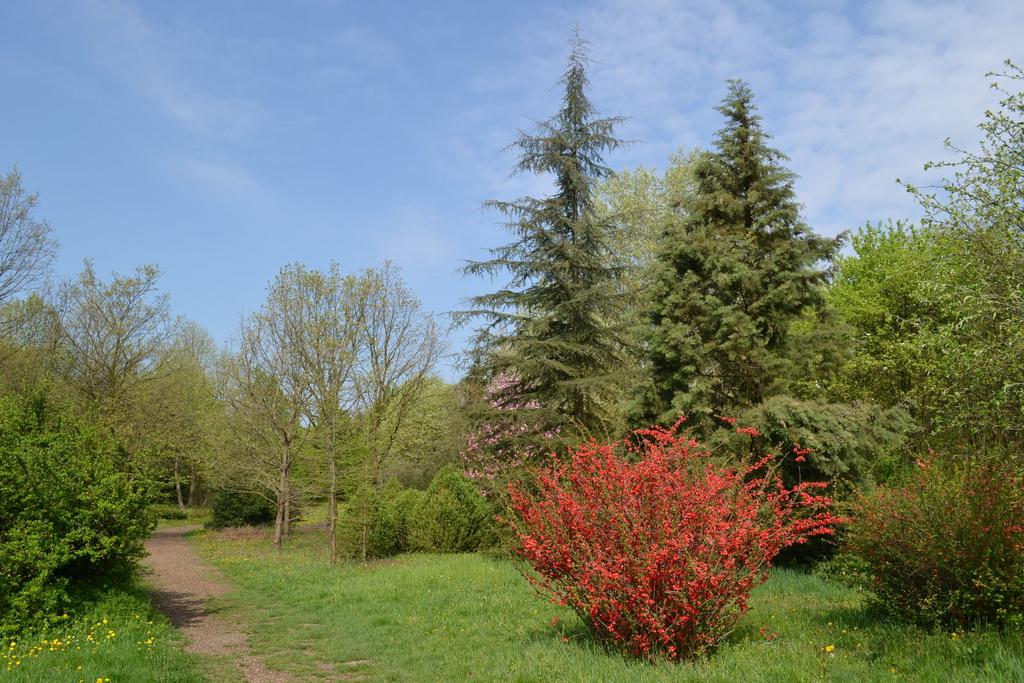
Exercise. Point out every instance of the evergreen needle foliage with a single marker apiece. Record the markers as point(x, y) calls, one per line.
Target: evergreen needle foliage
point(553, 327)
point(736, 267)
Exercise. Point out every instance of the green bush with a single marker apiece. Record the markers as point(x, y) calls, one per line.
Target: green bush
point(380, 518)
point(168, 511)
point(452, 517)
point(236, 508)
point(846, 441)
point(948, 547)
point(70, 515)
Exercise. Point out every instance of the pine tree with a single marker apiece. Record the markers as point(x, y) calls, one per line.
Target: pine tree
point(552, 329)
point(736, 267)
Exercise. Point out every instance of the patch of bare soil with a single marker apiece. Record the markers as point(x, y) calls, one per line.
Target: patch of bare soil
point(182, 587)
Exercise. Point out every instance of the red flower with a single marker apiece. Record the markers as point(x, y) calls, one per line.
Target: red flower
point(655, 545)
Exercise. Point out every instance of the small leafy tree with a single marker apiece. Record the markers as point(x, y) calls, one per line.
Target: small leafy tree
point(26, 245)
point(976, 218)
point(452, 517)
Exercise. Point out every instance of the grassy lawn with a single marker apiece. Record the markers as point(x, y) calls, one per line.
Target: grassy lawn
point(119, 638)
point(457, 617)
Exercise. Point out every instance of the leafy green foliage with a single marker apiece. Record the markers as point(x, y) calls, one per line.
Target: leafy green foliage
point(69, 514)
point(385, 517)
point(948, 547)
point(168, 511)
point(736, 268)
point(979, 218)
point(453, 517)
point(240, 508)
point(554, 326)
point(883, 294)
point(26, 245)
point(638, 202)
point(850, 444)
point(936, 311)
point(924, 337)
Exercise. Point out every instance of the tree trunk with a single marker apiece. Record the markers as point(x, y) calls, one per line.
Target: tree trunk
point(193, 482)
point(287, 502)
point(277, 520)
point(364, 519)
point(365, 533)
point(286, 522)
point(177, 482)
point(332, 510)
point(282, 503)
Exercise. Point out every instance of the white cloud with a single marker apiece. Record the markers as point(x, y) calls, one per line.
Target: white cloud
point(415, 238)
point(224, 180)
point(352, 59)
point(857, 94)
point(170, 66)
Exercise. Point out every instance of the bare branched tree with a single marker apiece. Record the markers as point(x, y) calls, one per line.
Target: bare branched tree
point(26, 247)
point(115, 334)
point(401, 347)
point(265, 389)
point(331, 310)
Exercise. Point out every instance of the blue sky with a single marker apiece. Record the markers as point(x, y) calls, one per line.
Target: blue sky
point(222, 140)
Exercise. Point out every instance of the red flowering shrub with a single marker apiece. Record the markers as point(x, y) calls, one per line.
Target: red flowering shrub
point(948, 547)
point(655, 544)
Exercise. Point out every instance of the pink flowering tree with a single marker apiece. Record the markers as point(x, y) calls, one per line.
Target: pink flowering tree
point(507, 438)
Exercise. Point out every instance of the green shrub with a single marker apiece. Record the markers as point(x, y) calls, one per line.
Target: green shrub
point(452, 517)
point(846, 568)
point(405, 503)
point(948, 547)
point(380, 518)
point(168, 511)
point(237, 508)
point(358, 520)
point(70, 515)
point(846, 441)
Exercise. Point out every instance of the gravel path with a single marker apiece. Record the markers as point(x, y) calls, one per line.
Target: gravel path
point(183, 585)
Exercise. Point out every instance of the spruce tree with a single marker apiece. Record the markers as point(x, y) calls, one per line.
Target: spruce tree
point(550, 333)
point(736, 267)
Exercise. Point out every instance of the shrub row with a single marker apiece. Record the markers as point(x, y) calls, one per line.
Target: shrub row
point(240, 508)
point(450, 516)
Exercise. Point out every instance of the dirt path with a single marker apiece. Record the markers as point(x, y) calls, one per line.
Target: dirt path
point(183, 585)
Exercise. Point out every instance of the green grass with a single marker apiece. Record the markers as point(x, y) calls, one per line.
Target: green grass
point(471, 617)
point(118, 637)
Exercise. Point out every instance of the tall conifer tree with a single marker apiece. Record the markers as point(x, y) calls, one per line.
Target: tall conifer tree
point(551, 329)
point(736, 267)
